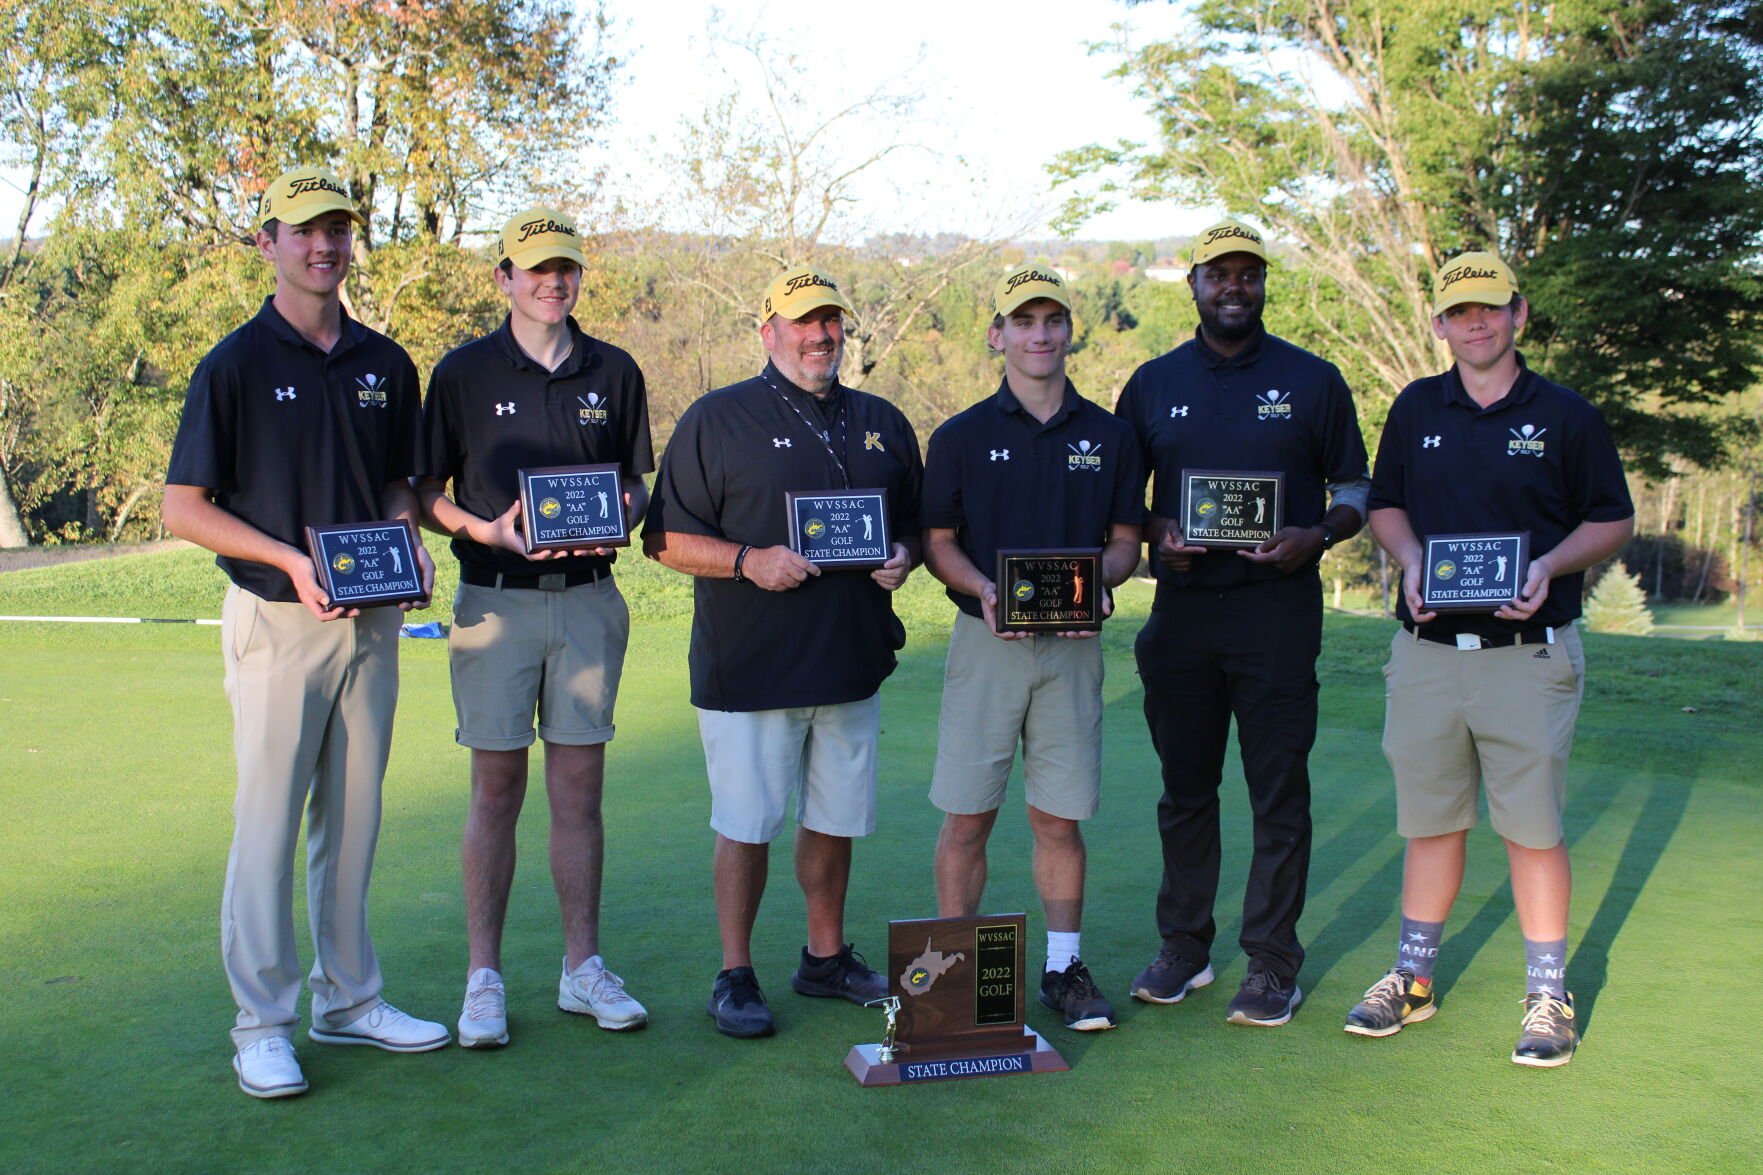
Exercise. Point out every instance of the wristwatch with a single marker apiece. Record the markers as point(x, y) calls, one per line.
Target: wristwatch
point(1328, 535)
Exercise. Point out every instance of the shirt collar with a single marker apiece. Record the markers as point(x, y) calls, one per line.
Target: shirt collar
point(1523, 389)
point(1008, 404)
point(579, 351)
point(1242, 358)
point(775, 378)
point(271, 318)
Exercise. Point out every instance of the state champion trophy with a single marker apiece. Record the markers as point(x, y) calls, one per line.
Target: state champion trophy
point(366, 564)
point(840, 528)
point(1231, 508)
point(954, 1005)
point(572, 507)
point(1053, 590)
point(1474, 572)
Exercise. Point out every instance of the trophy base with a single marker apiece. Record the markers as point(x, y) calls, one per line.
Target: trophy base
point(1032, 1055)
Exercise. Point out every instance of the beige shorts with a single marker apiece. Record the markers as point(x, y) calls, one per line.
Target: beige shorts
point(1499, 720)
point(825, 755)
point(1044, 693)
point(517, 650)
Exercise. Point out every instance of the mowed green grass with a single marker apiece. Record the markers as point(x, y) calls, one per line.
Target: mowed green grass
point(115, 795)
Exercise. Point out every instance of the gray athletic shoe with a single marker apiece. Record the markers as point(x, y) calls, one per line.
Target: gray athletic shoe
point(738, 1006)
point(845, 976)
point(1264, 1000)
point(1170, 977)
point(1548, 1034)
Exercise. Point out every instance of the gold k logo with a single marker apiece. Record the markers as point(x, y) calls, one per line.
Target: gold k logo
point(872, 440)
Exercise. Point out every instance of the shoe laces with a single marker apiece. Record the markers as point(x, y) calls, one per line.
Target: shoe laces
point(1545, 1014)
point(608, 988)
point(1167, 959)
point(385, 1014)
point(744, 990)
point(489, 1002)
point(1390, 991)
point(1263, 981)
point(1078, 982)
point(271, 1046)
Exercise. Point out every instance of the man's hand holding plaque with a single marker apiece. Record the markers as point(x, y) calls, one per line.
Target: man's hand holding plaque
point(367, 565)
point(841, 528)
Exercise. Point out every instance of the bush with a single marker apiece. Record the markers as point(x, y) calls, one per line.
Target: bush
point(1619, 605)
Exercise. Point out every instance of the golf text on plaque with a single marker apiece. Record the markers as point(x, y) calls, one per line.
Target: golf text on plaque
point(366, 564)
point(1231, 508)
point(839, 528)
point(569, 507)
point(1057, 590)
point(1474, 572)
point(956, 988)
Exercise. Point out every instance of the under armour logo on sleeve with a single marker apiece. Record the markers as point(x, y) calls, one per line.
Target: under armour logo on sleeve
point(1430, 442)
point(505, 409)
point(1178, 410)
point(781, 443)
point(284, 393)
point(1000, 454)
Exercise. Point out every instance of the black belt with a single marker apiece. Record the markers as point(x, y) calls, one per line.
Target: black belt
point(555, 581)
point(1536, 634)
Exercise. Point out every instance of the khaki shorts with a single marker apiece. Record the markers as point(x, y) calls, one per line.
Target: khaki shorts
point(1045, 693)
point(823, 754)
point(1495, 719)
point(517, 650)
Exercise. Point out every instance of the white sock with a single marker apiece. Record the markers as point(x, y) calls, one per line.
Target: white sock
point(1061, 948)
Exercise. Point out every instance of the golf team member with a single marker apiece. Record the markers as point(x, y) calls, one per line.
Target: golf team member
point(1489, 701)
point(301, 417)
point(1237, 632)
point(1034, 465)
point(786, 660)
point(546, 631)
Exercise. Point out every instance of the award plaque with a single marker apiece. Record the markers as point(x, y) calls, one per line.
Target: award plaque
point(366, 564)
point(1057, 590)
point(956, 988)
point(1474, 572)
point(1231, 508)
point(568, 507)
point(843, 528)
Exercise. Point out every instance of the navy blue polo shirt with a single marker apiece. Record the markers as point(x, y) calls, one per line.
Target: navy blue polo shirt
point(287, 436)
point(1000, 478)
point(1271, 406)
point(493, 411)
point(1539, 459)
point(733, 455)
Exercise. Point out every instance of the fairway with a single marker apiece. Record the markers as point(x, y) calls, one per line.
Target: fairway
point(116, 781)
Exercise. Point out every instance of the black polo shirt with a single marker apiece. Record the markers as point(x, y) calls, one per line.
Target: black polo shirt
point(287, 436)
point(1000, 478)
point(492, 411)
point(734, 453)
point(1271, 406)
point(1539, 459)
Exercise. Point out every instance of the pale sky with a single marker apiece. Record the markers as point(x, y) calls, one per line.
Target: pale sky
point(999, 90)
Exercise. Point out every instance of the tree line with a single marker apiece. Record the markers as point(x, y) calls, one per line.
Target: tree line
point(1611, 151)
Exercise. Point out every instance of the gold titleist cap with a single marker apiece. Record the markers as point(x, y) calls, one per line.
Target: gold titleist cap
point(795, 292)
point(536, 235)
point(1473, 277)
point(1228, 236)
point(295, 197)
point(1026, 283)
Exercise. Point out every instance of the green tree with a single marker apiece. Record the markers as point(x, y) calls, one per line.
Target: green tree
point(1617, 604)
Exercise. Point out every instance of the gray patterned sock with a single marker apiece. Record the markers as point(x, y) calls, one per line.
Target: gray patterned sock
point(1419, 947)
point(1545, 963)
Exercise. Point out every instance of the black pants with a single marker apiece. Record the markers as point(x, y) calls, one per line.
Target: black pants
point(1206, 656)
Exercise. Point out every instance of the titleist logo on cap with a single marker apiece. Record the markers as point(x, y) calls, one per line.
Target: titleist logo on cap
point(1465, 273)
point(1030, 275)
point(315, 183)
point(544, 225)
point(1225, 231)
point(807, 281)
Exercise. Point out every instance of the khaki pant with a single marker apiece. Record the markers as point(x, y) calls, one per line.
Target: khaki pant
point(312, 727)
